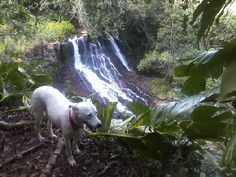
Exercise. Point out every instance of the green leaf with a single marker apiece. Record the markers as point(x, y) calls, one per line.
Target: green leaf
point(6, 67)
point(176, 111)
point(41, 79)
point(182, 70)
point(152, 145)
point(138, 108)
point(105, 115)
point(194, 85)
point(229, 156)
point(209, 64)
point(17, 78)
point(5, 95)
point(170, 128)
point(210, 10)
point(141, 120)
point(142, 113)
point(168, 118)
point(205, 65)
point(228, 83)
point(208, 122)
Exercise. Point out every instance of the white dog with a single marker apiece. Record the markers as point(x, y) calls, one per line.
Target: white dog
point(70, 117)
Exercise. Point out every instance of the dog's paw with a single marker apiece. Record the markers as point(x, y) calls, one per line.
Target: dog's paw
point(53, 136)
point(77, 151)
point(41, 138)
point(72, 162)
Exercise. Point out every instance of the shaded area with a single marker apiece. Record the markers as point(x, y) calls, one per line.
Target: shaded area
point(99, 156)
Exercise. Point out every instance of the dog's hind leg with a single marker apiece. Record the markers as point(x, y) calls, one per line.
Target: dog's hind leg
point(38, 116)
point(50, 131)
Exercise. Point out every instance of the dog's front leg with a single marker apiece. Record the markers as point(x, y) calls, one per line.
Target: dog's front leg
point(74, 145)
point(69, 153)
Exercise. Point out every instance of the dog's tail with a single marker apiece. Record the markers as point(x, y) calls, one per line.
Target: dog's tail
point(25, 101)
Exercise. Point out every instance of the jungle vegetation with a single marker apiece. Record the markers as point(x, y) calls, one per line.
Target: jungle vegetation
point(189, 44)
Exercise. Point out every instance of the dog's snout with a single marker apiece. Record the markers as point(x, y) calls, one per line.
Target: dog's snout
point(99, 125)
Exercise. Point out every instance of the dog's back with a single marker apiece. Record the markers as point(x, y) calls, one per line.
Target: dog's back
point(48, 98)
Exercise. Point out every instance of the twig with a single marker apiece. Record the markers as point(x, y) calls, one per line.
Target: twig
point(109, 165)
point(111, 134)
point(2, 141)
point(3, 113)
point(213, 171)
point(5, 125)
point(21, 154)
point(53, 159)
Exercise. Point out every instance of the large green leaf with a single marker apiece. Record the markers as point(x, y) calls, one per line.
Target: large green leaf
point(174, 109)
point(228, 83)
point(205, 65)
point(6, 96)
point(142, 114)
point(210, 10)
point(6, 67)
point(141, 120)
point(208, 122)
point(166, 118)
point(208, 65)
point(229, 156)
point(41, 79)
point(105, 115)
point(153, 145)
point(138, 108)
point(17, 78)
point(194, 85)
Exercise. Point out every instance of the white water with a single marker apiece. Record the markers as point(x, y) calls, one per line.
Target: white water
point(118, 53)
point(107, 88)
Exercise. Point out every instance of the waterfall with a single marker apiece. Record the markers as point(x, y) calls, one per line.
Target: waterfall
point(96, 67)
point(118, 53)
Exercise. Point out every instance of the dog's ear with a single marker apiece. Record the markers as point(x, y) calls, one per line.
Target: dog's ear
point(74, 108)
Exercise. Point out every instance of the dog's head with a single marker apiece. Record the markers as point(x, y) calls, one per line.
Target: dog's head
point(86, 112)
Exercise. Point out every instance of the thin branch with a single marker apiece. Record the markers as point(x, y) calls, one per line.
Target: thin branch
point(109, 165)
point(111, 134)
point(53, 159)
point(22, 123)
point(21, 154)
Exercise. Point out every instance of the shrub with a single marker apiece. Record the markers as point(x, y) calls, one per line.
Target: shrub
point(150, 62)
point(155, 62)
point(161, 89)
point(55, 30)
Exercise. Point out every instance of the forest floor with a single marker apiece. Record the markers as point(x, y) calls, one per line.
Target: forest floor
point(23, 155)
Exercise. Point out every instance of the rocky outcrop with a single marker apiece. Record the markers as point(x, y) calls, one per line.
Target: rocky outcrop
point(44, 51)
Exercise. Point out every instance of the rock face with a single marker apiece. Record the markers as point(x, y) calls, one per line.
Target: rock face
point(47, 51)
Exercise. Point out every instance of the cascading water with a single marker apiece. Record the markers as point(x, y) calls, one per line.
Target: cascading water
point(98, 71)
point(118, 53)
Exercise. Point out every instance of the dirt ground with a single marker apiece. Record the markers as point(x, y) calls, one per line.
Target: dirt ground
point(23, 155)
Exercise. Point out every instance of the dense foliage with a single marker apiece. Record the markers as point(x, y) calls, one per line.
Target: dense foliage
point(156, 33)
point(178, 126)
